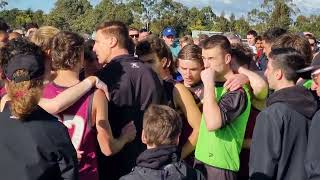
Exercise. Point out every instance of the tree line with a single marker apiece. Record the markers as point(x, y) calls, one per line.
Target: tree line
point(81, 16)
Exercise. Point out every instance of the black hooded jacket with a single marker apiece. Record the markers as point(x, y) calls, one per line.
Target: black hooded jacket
point(162, 163)
point(36, 148)
point(312, 163)
point(280, 135)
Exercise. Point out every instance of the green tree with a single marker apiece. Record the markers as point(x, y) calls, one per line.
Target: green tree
point(66, 12)
point(169, 13)
point(18, 18)
point(3, 3)
point(273, 13)
point(241, 26)
point(108, 10)
point(232, 20)
point(221, 24)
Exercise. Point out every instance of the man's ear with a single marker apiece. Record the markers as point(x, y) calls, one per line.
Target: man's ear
point(143, 137)
point(279, 74)
point(113, 42)
point(228, 58)
point(165, 63)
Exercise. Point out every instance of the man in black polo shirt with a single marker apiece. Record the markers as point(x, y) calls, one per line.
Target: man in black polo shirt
point(132, 85)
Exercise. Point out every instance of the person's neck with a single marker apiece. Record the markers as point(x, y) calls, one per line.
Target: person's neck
point(225, 76)
point(117, 52)
point(47, 72)
point(67, 78)
point(149, 146)
point(284, 84)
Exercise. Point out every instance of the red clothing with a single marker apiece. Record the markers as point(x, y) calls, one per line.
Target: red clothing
point(77, 119)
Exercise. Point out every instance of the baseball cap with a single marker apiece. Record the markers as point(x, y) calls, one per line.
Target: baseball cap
point(31, 63)
point(306, 72)
point(169, 31)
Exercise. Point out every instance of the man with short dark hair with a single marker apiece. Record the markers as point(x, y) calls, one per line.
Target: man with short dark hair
point(251, 38)
point(132, 85)
point(268, 38)
point(161, 130)
point(225, 114)
point(280, 134)
point(301, 45)
point(134, 35)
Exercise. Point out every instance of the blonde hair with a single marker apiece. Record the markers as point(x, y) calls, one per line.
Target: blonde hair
point(24, 96)
point(43, 36)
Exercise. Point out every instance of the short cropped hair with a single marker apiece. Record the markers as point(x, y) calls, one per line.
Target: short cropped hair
point(217, 41)
point(288, 60)
point(258, 38)
point(161, 125)
point(117, 29)
point(66, 50)
point(272, 34)
point(300, 44)
point(253, 33)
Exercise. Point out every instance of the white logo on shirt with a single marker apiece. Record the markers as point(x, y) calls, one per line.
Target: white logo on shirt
point(135, 65)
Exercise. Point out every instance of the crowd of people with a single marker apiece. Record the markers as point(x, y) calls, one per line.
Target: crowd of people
point(131, 105)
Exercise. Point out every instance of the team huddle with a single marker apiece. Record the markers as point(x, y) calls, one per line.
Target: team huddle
point(131, 105)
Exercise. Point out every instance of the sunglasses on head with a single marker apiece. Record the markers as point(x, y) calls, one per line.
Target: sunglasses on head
point(134, 35)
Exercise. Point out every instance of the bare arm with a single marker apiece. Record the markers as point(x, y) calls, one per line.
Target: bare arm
point(257, 83)
point(184, 100)
point(68, 97)
point(3, 102)
point(211, 109)
point(108, 144)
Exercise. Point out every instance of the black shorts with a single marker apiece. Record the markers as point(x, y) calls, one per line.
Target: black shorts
point(213, 173)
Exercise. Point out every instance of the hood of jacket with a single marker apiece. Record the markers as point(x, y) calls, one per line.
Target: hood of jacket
point(159, 157)
point(296, 97)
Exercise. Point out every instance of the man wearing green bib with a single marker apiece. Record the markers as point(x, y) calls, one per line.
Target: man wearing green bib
point(225, 114)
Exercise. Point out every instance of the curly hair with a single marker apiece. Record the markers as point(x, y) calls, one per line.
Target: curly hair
point(19, 46)
point(66, 50)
